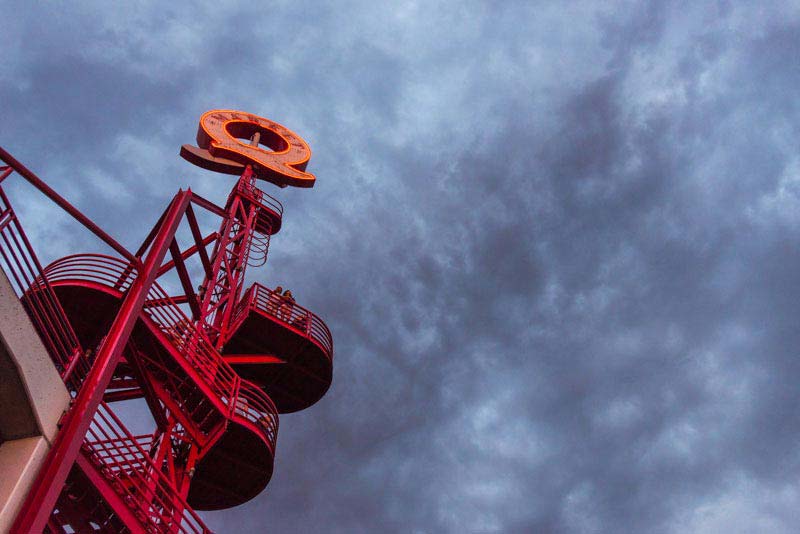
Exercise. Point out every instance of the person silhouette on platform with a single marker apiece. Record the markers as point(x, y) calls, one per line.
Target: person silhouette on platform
point(287, 306)
point(274, 301)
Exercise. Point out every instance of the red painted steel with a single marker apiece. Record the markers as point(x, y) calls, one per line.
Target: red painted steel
point(215, 364)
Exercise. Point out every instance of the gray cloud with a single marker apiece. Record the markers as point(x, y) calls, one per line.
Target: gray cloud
point(556, 245)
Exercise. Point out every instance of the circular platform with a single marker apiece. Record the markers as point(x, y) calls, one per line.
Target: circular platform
point(286, 350)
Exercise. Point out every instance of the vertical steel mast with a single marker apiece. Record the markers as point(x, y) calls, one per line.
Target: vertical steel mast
point(215, 362)
point(243, 241)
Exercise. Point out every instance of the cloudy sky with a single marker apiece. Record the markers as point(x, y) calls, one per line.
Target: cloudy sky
point(556, 242)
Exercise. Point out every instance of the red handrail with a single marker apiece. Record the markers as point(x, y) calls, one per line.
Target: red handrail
point(20, 263)
point(34, 180)
point(260, 197)
point(255, 406)
point(292, 314)
point(140, 482)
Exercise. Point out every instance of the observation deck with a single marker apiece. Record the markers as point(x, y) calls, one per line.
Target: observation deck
point(281, 346)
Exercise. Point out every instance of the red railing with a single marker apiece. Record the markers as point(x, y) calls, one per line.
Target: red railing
point(258, 196)
point(142, 485)
point(109, 271)
point(20, 263)
point(255, 406)
point(121, 453)
point(292, 314)
point(57, 199)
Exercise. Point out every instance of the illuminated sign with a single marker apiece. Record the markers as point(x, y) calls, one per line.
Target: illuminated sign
point(229, 140)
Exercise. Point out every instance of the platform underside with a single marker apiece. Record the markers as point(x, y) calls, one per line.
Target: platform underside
point(293, 370)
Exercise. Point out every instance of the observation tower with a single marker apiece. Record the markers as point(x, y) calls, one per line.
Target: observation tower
point(215, 358)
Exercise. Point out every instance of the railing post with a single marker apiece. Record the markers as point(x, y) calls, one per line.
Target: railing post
point(237, 385)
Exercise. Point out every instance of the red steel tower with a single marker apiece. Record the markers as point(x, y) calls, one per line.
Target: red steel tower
point(174, 324)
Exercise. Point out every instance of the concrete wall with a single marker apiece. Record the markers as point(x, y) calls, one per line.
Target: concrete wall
point(32, 399)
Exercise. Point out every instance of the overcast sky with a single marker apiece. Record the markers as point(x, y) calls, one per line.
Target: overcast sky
point(556, 242)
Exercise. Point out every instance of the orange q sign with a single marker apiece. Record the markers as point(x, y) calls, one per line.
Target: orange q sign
point(223, 148)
